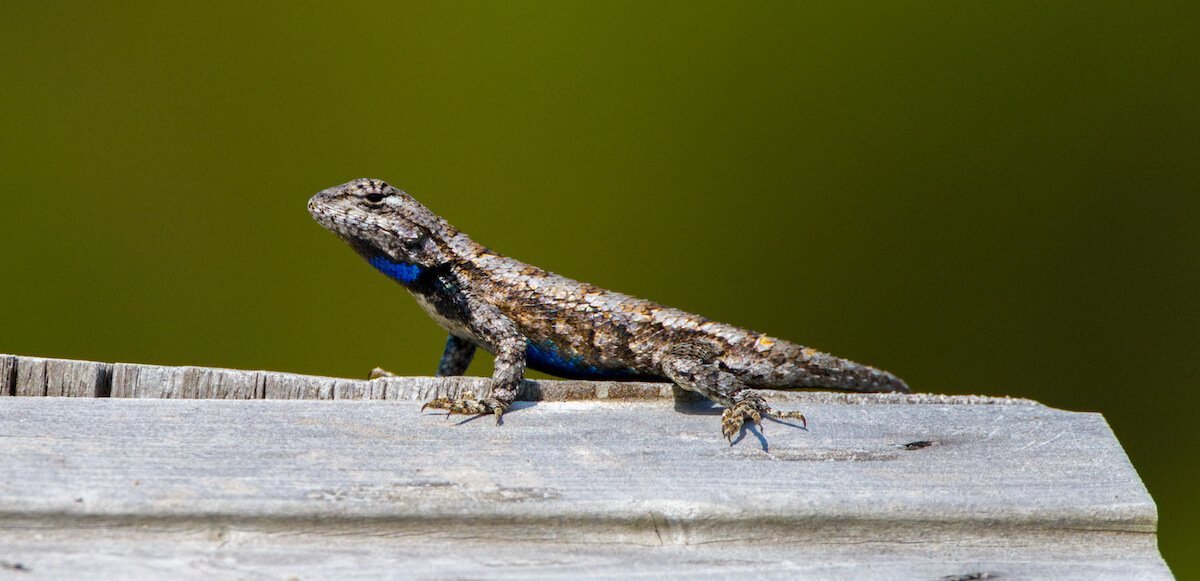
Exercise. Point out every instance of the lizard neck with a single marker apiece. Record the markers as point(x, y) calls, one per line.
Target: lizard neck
point(451, 246)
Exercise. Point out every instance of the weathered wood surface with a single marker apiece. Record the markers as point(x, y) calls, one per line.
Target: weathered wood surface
point(8, 375)
point(942, 486)
point(38, 376)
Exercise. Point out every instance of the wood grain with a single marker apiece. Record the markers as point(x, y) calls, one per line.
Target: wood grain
point(172, 478)
point(184, 382)
point(8, 375)
point(872, 488)
point(39, 376)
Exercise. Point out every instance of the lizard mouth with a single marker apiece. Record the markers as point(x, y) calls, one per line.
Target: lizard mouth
point(329, 216)
point(317, 207)
point(361, 233)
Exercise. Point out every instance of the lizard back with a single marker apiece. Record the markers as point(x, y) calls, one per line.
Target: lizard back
point(579, 330)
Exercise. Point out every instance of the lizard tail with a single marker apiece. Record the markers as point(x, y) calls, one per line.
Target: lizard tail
point(800, 367)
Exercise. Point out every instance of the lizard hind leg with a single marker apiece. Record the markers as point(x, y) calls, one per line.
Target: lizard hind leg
point(456, 357)
point(696, 367)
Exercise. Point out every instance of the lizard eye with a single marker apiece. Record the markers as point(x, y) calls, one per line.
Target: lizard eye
point(375, 198)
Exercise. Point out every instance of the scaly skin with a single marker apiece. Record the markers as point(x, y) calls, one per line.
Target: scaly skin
point(526, 316)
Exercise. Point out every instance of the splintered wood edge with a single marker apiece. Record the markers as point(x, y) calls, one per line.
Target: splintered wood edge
point(38, 376)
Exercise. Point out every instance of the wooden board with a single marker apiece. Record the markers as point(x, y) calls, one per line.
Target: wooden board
point(37, 376)
point(8, 375)
point(877, 487)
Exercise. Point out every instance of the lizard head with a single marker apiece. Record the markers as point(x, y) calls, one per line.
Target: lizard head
point(382, 222)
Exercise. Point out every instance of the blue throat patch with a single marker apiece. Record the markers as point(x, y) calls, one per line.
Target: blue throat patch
point(399, 271)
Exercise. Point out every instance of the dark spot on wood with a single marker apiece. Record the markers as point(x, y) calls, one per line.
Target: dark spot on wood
point(10, 566)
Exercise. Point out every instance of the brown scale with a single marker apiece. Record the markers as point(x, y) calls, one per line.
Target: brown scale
point(527, 316)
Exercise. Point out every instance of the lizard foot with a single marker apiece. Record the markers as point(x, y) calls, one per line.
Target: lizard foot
point(754, 407)
point(467, 407)
point(379, 373)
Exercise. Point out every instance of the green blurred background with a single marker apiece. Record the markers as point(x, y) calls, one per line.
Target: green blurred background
point(984, 198)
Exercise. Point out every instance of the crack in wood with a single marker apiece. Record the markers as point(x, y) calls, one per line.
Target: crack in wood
point(10, 368)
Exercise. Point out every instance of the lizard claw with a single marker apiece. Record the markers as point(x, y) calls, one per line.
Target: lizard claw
point(753, 407)
point(467, 407)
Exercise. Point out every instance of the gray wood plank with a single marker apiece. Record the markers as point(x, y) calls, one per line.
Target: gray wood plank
point(595, 488)
point(67, 378)
point(34, 376)
point(42, 376)
point(235, 551)
point(56, 377)
point(290, 386)
point(31, 377)
point(8, 375)
point(617, 480)
point(1006, 464)
point(153, 381)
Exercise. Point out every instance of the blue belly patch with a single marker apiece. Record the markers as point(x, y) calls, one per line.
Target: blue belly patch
point(546, 357)
point(399, 271)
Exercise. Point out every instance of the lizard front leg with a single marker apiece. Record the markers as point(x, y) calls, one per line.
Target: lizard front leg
point(456, 358)
point(498, 331)
point(696, 367)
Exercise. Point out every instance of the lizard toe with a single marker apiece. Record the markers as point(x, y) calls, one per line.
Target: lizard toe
point(467, 406)
point(731, 423)
point(754, 408)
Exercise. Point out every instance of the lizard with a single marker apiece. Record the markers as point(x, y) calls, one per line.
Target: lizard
point(528, 317)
